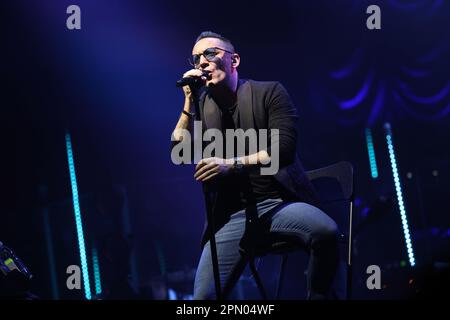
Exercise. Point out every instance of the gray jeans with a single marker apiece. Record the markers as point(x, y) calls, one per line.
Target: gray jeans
point(306, 226)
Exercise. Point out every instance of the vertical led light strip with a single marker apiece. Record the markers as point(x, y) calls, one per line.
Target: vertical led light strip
point(371, 151)
point(398, 190)
point(78, 222)
point(95, 263)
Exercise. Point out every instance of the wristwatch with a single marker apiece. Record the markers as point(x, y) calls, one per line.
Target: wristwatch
point(238, 165)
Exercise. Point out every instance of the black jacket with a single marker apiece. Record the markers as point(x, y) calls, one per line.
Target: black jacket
point(267, 105)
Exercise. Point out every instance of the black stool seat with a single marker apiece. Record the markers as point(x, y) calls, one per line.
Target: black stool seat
point(334, 185)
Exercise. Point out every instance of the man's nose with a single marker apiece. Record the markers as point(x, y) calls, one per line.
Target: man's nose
point(203, 62)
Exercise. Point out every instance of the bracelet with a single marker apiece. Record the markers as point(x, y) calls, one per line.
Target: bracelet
point(189, 114)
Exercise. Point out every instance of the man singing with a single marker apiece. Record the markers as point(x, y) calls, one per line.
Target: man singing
point(283, 202)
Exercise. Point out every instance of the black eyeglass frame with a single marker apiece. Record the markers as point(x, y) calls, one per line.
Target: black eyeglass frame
point(197, 56)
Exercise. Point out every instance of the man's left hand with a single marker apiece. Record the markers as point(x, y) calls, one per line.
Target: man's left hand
point(209, 168)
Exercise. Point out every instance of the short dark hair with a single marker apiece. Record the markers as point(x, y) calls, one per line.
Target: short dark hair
point(210, 34)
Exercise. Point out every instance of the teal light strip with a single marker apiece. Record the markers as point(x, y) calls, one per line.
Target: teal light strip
point(98, 283)
point(78, 222)
point(398, 190)
point(371, 151)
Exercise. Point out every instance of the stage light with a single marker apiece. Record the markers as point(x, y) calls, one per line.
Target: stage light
point(96, 265)
point(78, 221)
point(398, 190)
point(171, 294)
point(371, 151)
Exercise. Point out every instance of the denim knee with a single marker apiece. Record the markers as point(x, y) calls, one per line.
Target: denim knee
point(326, 235)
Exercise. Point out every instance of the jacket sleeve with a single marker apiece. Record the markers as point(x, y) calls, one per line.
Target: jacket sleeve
point(282, 115)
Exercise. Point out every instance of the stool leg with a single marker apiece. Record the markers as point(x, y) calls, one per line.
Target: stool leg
point(258, 281)
point(281, 277)
point(348, 293)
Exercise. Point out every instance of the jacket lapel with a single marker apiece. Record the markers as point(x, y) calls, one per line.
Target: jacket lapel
point(211, 113)
point(245, 105)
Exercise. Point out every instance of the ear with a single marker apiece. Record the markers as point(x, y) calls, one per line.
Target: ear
point(235, 60)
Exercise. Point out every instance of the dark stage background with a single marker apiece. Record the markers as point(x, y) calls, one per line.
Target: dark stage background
point(111, 85)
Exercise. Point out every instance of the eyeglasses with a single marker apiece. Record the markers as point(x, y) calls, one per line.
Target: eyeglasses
point(209, 55)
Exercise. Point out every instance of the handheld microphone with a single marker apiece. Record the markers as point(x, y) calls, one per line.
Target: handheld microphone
point(189, 81)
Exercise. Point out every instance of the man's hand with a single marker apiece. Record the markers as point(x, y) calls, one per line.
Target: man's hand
point(212, 167)
point(191, 73)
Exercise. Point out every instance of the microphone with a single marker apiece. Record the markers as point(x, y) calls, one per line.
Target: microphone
point(189, 81)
